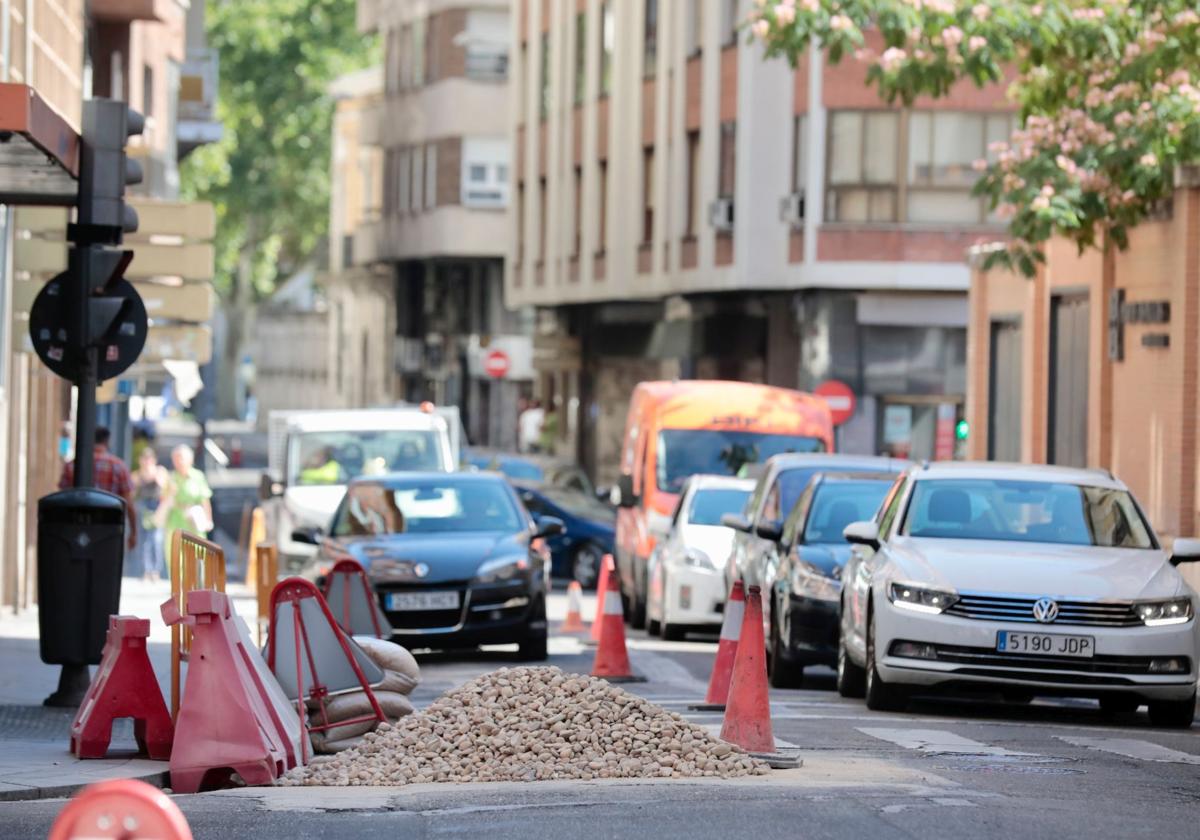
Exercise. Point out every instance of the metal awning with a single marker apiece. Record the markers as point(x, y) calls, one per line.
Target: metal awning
point(39, 151)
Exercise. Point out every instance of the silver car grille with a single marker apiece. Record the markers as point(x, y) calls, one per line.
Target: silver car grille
point(1004, 608)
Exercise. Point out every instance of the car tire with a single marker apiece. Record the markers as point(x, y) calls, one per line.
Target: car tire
point(880, 696)
point(851, 679)
point(585, 565)
point(1119, 704)
point(533, 649)
point(637, 604)
point(673, 632)
point(1173, 714)
point(781, 673)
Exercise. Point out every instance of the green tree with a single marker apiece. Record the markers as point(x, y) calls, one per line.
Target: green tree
point(1108, 93)
point(268, 177)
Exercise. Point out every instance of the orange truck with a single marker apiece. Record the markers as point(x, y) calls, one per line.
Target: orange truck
point(678, 429)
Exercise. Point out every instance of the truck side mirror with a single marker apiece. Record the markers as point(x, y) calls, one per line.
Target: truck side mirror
point(623, 495)
point(269, 488)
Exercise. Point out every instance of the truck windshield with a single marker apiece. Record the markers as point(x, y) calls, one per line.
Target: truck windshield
point(325, 458)
point(686, 452)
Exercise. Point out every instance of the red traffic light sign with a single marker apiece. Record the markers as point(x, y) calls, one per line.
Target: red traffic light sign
point(840, 398)
point(496, 364)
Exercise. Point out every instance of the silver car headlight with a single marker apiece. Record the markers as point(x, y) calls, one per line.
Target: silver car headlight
point(698, 559)
point(920, 598)
point(501, 569)
point(810, 581)
point(1161, 613)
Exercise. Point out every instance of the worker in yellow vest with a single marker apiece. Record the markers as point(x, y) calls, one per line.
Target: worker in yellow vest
point(321, 468)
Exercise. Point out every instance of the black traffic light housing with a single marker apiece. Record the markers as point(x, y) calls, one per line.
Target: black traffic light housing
point(105, 170)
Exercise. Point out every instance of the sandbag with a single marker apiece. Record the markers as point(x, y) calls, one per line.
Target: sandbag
point(397, 682)
point(337, 733)
point(390, 657)
point(327, 747)
point(356, 704)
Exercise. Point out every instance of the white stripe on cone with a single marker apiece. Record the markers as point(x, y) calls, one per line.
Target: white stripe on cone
point(612, 603)
point(731, 626)
point(573, 599)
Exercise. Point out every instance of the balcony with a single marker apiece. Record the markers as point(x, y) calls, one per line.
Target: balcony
point(197, 123)
point(126, 11)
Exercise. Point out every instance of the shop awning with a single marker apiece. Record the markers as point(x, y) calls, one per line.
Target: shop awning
point(39, 151)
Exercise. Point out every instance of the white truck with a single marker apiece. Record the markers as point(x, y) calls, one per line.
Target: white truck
point(313, 454)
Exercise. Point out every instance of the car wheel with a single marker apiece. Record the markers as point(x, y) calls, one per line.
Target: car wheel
point(780, 672)
point(673, 632)
point(533, 649)
point(1119, 704)
point(880, 696)
point(851, 679)
point(585, 565)
point(1173, 714)
point(637, 605)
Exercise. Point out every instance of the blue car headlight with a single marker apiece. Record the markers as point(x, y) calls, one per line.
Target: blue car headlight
point(501, 569)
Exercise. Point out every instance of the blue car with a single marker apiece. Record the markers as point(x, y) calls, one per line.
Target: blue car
point(590, 529)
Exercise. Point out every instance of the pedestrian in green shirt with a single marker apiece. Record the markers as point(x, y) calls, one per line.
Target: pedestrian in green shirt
point(187, 500)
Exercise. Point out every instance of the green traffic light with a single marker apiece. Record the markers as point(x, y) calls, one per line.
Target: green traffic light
point(962, 429)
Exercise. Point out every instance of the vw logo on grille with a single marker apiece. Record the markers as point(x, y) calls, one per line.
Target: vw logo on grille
point(421, 569)
point(1045, 610)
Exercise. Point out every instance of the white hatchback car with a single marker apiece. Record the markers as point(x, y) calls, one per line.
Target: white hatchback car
point(686, 575)
point(1023, 579)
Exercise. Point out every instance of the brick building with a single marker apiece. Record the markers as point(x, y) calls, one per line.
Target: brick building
point(683, 207)
point(1094, 362)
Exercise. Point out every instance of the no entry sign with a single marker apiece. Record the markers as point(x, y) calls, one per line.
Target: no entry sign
point(496, 364)
point(840, 398)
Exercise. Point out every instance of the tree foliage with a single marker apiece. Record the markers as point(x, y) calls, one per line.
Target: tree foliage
point(1108, 92)
point(269, 175)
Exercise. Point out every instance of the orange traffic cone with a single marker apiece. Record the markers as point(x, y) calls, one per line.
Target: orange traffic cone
point(574, 620)
point(748, 710)
point(110, 809)
point(727, 647)
point(607, 569)
point(612, 659)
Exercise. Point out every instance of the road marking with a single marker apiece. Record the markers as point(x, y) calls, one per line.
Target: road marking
point(938, 741)
point(1133, 748)
point(939, 801)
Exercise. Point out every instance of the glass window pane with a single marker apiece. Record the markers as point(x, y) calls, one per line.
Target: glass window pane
point(478, 172)
point(879, 160)
point(943, 206)
point(919, 132)
point(850, 205)
point(957, 142)
point(845, 148)
point(883, 206)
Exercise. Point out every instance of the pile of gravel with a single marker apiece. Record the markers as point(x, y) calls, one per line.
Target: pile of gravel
point(529, 724)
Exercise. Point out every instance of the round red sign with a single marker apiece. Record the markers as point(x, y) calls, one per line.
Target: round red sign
point(840, 398)
point(496, 364)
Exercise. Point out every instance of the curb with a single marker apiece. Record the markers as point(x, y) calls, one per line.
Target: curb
point(158, 780)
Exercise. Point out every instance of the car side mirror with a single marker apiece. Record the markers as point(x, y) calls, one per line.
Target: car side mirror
point(604, 493)
point(308, 536)
point(1185, 551)
point(770, 529)
point(269, 488)
point(549, 526)
point(623, 495)
point(736, 521)
point(862, 533)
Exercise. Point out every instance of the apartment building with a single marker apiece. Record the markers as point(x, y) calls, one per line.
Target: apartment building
point(683, 207)
point(430, 213)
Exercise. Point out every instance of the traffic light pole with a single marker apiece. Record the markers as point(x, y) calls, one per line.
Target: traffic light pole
point(85, 404)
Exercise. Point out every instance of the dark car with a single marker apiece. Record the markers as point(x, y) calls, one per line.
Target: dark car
point(536, 469)
point(590, 529)
point(802, 591)
point(454, 558)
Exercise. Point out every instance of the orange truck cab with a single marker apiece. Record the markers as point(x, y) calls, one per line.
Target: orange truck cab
point(684, 428)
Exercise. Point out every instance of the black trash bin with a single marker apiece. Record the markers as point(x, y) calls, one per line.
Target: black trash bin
point(81, 547)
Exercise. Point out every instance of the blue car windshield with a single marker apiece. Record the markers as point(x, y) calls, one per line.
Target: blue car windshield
point(711, 503)
point(836, 504)
point(1026, 511)
point(371, 509)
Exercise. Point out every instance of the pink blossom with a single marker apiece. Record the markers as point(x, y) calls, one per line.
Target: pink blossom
point(1036, 10)
point(892, 58)
point(1149, 159)
point(785, 12)
point(979, 165)
point(760, 28)
point(981, 11)
point(977, 43)
point(1040, 203)
point(1047, 191)
point(952, 36)
point(1065, 164)
point(840, 23)
point(810, 5)
point(1005, 211)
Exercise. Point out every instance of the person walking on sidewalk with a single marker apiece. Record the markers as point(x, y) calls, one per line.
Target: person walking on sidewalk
point(186, 502)
point(108, 473)
point(149, 482)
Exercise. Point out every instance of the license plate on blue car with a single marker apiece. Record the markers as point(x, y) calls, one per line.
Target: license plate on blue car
point(420, 601)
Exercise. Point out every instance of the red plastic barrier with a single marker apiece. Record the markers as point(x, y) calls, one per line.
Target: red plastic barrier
point(124, 687)
point(226, 722)
point(353, 601)
point(122, 808)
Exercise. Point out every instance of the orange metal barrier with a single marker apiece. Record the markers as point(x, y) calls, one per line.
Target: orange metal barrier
point(266, 569)
point(195, 563)
point(254, 527)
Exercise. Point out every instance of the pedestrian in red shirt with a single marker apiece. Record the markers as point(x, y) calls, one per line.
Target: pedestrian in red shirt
point(109, 473)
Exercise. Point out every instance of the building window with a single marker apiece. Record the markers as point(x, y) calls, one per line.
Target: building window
point(942, 145)
point(580, 57)
point(430, 176)
point(729, 21)
point(520, 222)
point(602, 224)
point(487, 45)
point(648, 194)
point(522, 80)
point(863, 166)
point(694, 27)
point(607, 37)
point(799, 153)
point(402, 185)
point(578, 211)
point(418, 52)
point(147, 91)
point(543, 220)
point(406, 59)
point(727, 162)
point(650, 38)
point(485, 173)
point(417, 185)
point(544, 78)
point(692, 220)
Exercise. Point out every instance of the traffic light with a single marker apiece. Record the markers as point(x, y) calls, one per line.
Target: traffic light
point(105, 171)
point(962, 429)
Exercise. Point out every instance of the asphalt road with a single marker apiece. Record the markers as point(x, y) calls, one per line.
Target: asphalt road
point(952, 768)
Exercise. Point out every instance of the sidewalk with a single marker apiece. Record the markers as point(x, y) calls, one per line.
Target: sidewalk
point(35, 762)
